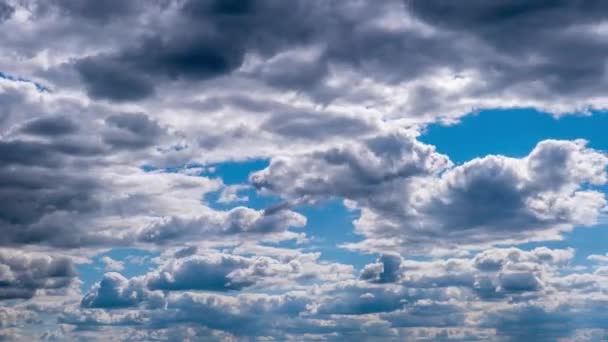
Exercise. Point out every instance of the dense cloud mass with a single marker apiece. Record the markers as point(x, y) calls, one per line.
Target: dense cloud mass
point(190, 169)
point(23, 274)
point(435, 205)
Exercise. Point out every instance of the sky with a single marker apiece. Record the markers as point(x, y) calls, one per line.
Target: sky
point(303, 170)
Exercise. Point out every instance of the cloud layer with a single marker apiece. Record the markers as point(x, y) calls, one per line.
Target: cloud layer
point(126, 128)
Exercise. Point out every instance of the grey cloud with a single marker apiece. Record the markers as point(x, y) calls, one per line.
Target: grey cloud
point(571, 57)
point(493, 273)
point(212, 271)
point(34, 193)
point(132, 131)
point(50, 126)
point(352, 171)
point(6, 11)
point(316, 125)
point(557, 66)
point(97, 11)
point(427, 295)
point(240, 315)
point(326, 85)
point(533, 321)
point(351, 299)
point(64, 182)
point(115, 291)
point(519, 281)
point(215, 43)
point(186, 251)
point(107, 79)
point(386, 270)
point(427, 313)
point(203, 273)
point(495, 193)
point(409, 195)
point(239, 220)
point(23, 274)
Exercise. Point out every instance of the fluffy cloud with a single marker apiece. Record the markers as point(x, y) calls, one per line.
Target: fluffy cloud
point(110, 112)
point(487, 295)
point(496, 199)
point(22, 275)
point(411, 197)
point(69, 183)
point(240, 220)
point(214, 271)
point(352, 171)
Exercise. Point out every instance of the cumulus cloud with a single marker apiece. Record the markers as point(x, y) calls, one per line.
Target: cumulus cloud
point(213, 271)
point(22, 275)
point(410, 196)
point(356, 170)
point(69, 183)
point(115, 114)
point(487, 294)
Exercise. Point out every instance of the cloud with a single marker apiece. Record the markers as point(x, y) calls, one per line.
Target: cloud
point(351, 171)
point(115, 291)
point(131, 130)
point(6, 11)
point(50, 126)
point(484, 295)
point(116, 119)
point(385, 271)
point(561, 25)
point(111, 80)
point(239, 220)
point(22, 274)
point(230, 194)
point(201, 272)
point(214, 44)
point(409, 195)
point(213, 271)
point(102, 12)
point(72, 183)
point(111, 264)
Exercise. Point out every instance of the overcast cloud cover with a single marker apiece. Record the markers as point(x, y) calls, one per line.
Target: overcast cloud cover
point(123, 124)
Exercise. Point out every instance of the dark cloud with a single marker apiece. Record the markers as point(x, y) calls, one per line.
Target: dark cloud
point(34, 193)
point(386, 270)
point(22, 274)
point(211, 40)
point(132, 131)
point(519, 282)
point(107, 79)
point(201, 273)
point(97, 11)
point(6, 11)
point(50, 126)
point(552, 33)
